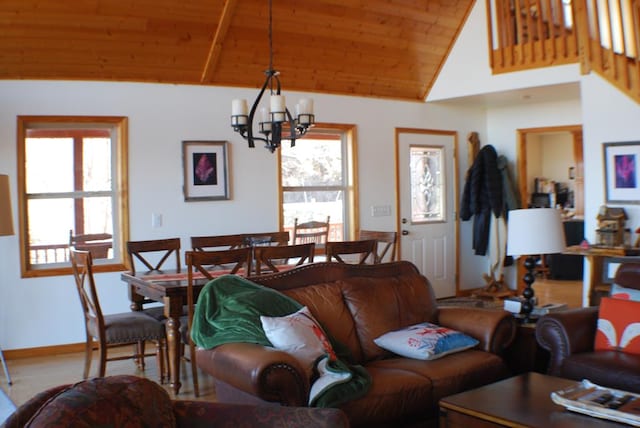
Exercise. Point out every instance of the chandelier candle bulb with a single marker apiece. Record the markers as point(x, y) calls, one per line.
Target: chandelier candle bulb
point(239, 112)
point(265, 120)
point(278, 108)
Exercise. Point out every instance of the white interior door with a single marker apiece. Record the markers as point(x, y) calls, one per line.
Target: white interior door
point(427, 201)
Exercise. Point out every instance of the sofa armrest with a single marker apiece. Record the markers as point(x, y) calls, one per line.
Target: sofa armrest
point(202, 414)
point(260, 371)
point(565, 333)
point(494, 329)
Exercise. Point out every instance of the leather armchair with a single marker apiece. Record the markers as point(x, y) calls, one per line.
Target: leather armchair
point(134, 401)
point(569, 337)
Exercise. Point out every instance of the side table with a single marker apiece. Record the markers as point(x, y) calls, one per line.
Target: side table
point(524, 354)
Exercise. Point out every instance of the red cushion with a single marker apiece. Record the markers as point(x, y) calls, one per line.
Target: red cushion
point(618, 326)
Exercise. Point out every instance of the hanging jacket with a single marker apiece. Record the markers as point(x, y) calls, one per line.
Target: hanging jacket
point(482, 196)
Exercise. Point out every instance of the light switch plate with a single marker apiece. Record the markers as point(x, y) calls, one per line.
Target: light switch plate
point(380, 210)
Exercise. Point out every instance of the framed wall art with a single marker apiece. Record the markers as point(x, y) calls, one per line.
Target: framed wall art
point(206, 170)
point(622, 179)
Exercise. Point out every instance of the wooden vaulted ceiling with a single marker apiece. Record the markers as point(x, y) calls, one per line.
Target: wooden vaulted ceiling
point(377, 48)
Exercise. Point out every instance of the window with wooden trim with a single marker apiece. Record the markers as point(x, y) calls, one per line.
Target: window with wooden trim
point(72, 189)
point(318, 179)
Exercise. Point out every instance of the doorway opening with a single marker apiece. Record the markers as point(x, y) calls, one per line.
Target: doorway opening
point(550, 170)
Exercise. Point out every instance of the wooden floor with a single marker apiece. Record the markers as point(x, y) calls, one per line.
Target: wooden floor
point(32, 375)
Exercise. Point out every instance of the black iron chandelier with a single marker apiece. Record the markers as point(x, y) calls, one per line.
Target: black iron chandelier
point(272, 118)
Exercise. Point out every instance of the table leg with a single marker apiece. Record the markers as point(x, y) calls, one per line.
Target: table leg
point(173, 345)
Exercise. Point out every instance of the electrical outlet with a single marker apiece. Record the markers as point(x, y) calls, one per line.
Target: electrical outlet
point(156, 220)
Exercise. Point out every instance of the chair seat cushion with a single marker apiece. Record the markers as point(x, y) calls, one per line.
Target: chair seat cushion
point(123, 401)
point(129, 327)
point(614, 369)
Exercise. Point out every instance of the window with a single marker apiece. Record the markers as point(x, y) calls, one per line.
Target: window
point(318, 179)
point(72, 186)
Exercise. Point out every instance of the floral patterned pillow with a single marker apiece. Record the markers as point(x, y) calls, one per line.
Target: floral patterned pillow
point(425, 341)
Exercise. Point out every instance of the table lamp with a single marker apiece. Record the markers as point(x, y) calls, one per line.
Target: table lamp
point(533, 232)
point(6, 229)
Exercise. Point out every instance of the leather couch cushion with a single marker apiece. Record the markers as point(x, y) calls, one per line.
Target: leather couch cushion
point(117, 401)
point(610, 368)
point(327, 306)
point(395, 395)
point(378, 308)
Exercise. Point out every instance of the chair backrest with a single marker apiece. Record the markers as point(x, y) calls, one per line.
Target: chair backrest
point(234, 261)
point(311, 231)
point(82, 268)
point(628, 275)
point(386, 244)
point(98, 243)
point(363, 250)
point(218, 242)
point(143, 251)
point(203, 262)
point(271, 259)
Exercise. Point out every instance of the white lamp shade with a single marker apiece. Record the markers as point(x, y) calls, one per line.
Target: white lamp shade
point(535, 231)
point(6, 224)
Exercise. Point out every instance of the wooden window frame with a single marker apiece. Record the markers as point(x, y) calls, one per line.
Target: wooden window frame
point(350, 187)
point(119, 125)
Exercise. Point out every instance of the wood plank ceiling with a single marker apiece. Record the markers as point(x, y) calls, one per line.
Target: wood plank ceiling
point(377, 48)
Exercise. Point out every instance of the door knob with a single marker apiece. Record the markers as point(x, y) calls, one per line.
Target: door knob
point(404, 221)
point(405, 232)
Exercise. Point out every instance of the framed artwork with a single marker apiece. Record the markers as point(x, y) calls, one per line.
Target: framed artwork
point(622, 179)
point(427, 183)
point(206, 171)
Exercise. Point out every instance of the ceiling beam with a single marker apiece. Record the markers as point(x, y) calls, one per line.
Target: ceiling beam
point(216, 45)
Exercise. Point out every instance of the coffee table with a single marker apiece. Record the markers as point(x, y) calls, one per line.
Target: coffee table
point(520, 401)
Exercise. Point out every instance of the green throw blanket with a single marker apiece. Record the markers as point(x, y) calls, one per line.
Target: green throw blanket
point(229, 310)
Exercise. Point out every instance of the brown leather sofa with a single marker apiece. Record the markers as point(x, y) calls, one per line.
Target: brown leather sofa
point(356, 304)
point(569, 337)
point(130, 401)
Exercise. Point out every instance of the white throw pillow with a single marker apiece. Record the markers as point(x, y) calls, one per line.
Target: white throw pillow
point(425, 341)
point(298, 334)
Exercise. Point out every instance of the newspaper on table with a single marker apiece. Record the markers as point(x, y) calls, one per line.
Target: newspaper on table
point(600, 402)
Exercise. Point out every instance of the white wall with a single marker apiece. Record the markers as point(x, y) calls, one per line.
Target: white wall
point(468, 71)
point(45, 311)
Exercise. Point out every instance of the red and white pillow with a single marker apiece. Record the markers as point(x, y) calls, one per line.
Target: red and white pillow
point(618, 326)
point(300, 335)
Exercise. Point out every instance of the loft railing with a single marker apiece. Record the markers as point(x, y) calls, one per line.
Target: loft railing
point(526, 34)
point(609, 38)
point(603, 35)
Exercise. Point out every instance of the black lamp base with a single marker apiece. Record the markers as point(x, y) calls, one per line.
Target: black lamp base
point(528, 293)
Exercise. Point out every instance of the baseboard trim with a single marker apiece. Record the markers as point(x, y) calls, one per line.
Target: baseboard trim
point(43, 351)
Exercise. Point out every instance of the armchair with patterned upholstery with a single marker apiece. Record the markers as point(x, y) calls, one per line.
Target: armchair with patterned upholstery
point(136, 402)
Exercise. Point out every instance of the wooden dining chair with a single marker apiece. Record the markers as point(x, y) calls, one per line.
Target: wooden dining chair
point(272, 258)
point(359, 250)
point(311, 231)
point(201, 263)
point(98, 243)
point(386, 244)
point(113, 330)
point(152, 255)
point(218, 242)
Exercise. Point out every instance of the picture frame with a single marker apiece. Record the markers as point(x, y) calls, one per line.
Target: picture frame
point(206, 170)
point(622, 172)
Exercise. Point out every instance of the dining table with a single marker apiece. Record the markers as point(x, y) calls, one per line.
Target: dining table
point(168, 287)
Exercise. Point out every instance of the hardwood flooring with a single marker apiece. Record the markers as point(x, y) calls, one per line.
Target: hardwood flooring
point(32, 375)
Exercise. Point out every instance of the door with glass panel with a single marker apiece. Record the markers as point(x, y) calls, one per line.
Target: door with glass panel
point(427, 204)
